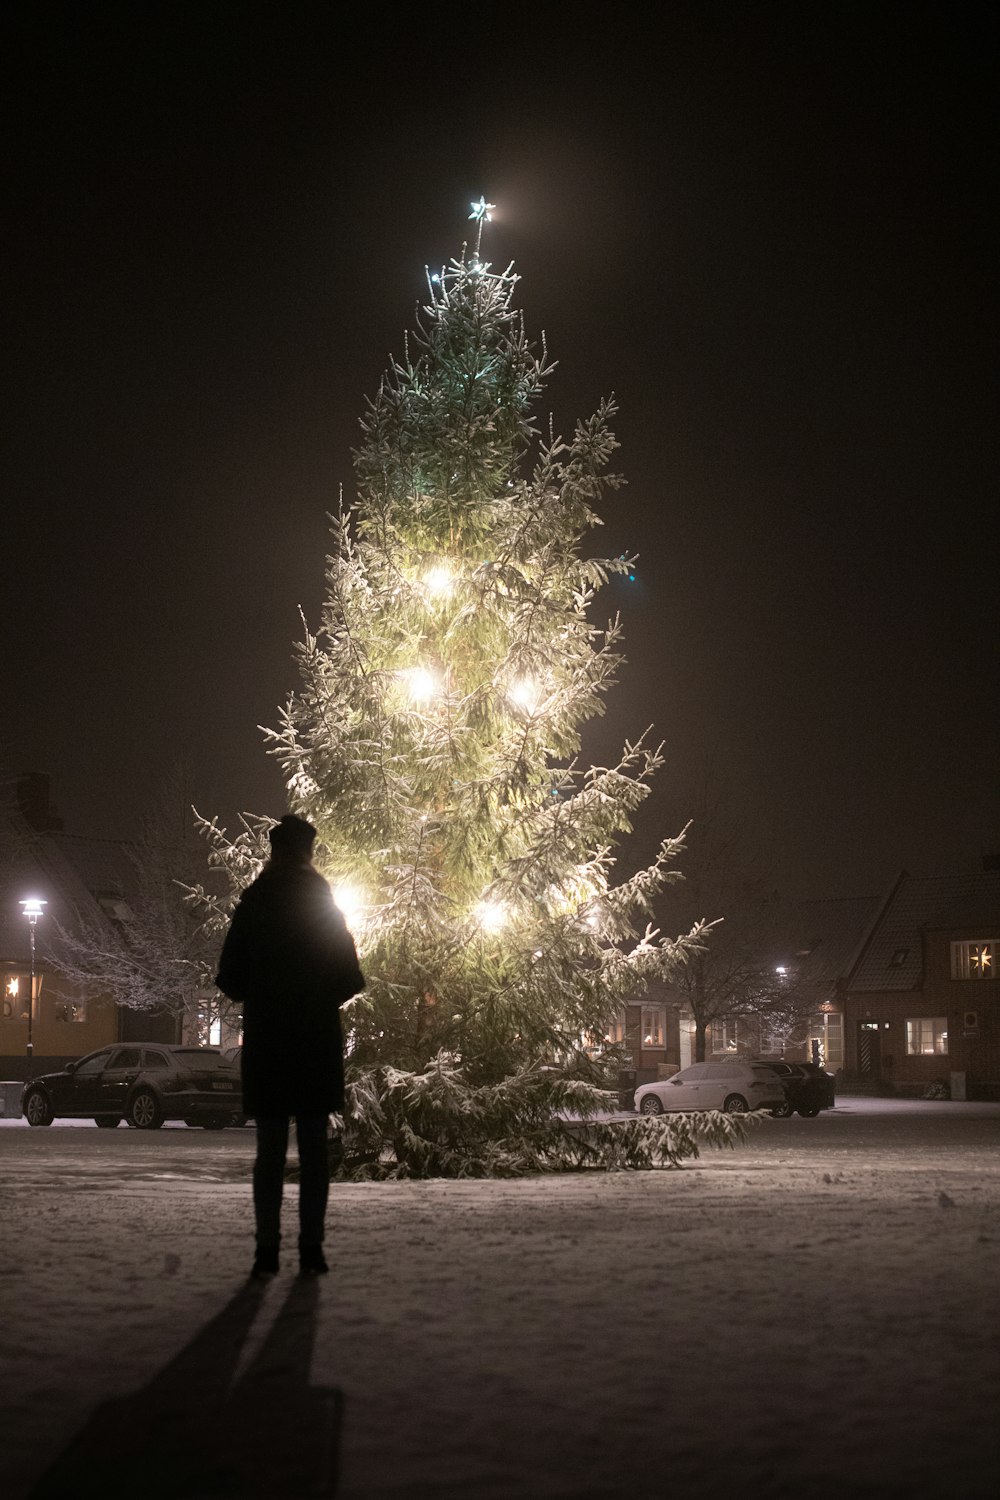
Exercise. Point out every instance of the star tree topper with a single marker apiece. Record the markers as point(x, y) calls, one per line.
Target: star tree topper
point(480, 211)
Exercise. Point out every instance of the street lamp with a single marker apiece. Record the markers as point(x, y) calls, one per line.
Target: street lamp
point(32, 910)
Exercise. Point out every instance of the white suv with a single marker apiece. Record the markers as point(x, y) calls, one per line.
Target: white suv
point(733, 1086)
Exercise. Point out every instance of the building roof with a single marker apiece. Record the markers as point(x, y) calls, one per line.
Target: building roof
point(832, 934)
point(71, 874)
point(893, 958)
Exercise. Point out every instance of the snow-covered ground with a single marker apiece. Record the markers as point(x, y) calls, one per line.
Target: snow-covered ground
point(813, 1315)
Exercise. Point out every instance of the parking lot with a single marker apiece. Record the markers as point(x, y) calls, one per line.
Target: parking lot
point(814, 1311)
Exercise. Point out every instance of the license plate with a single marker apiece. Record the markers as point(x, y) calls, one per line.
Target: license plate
point(222, 1085)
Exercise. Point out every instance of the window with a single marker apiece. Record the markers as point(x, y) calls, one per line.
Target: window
point(126, 1057)
point(976, 960)
point(154, 1059)
point(15, 997)
point(69, 1010)
point(615, 1033)
point(927, 1036)
point(198, 1059)
point(93, 1064)
point(16, 989)
point(826, 1038)
point(653, 1024)
point(724, 1035)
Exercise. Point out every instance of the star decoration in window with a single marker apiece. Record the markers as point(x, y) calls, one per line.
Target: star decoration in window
point(981, 959)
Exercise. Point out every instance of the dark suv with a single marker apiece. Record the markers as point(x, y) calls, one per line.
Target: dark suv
point(141, 1084)
point(808, 1089)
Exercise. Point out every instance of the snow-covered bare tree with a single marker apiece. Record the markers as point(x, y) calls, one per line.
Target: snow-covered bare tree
point(143, 944)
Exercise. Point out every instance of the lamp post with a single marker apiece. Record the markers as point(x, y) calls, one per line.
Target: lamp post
point(32, 910)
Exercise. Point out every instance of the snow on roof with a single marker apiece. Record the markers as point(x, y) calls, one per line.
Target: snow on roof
point(68, 872)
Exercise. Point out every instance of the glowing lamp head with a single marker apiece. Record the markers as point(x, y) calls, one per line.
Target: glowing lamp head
point(491, 915)
point(32, 909)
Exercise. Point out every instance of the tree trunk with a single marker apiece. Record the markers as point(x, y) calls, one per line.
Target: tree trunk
point(700, 1027)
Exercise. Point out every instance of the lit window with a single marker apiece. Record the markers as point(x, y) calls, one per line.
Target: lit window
point(653, 1019)
point(70, 1010)
point(976, 960)
point(616, 1031)
point(927, 1036)
point(826, 1035)
point(15, 993)
point(724, 1035)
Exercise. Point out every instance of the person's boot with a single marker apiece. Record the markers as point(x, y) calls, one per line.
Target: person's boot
point(265, 1262)
point(311, 1261)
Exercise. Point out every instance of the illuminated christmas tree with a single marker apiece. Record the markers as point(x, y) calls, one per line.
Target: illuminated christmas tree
point(431, 742)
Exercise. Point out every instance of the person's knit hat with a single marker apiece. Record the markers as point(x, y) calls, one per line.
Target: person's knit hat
point(292, 836)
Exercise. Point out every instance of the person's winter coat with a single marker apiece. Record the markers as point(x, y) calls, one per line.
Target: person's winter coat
point(290, 963)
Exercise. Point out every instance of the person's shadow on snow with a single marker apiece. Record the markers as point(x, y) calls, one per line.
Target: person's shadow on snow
point(191, 1434)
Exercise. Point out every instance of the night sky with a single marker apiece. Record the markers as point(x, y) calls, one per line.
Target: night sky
point(765, 228)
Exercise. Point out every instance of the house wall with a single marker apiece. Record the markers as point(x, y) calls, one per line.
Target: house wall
point(970, 1007)
point(645, 1057)
point(64, 1025)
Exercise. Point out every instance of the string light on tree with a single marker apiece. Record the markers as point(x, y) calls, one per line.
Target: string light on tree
point(421, 684)
point(491, 915)
point(525, 693)
point(351, 903)
point(439, 580)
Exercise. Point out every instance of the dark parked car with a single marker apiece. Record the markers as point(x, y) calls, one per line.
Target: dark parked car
point(142, 1084)
point(808, 1089)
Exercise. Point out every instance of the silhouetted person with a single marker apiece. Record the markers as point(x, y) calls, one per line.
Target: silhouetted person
point(289, 962)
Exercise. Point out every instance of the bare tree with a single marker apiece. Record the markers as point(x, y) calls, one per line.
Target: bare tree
point(144, 946)
point(739, 974)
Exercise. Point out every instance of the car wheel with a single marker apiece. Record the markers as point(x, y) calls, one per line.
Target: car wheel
point(107, 1122)
point(782, 1111)
point(736, 1105)
point(214, 1122)
point(810, 1113)
point(144, 1111)
point(651, 1106)
point(37, 1109)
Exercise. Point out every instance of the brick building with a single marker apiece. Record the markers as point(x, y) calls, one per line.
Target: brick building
point(921, 999)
